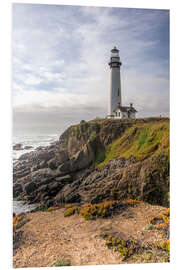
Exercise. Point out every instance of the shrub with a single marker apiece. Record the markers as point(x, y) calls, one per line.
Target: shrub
point(165, 245)
point(160, 223)
point(132, 202)
point(69, 205)
point(71, 211)
point(103, 209)
point(125, 247)
point(16, 221)
point(149, 227)
point(52, 208)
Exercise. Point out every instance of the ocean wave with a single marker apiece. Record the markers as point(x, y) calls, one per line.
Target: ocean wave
point(34, 141)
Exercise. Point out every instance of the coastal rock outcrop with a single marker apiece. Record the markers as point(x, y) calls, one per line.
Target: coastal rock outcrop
point(17, 147)
point(99, 160)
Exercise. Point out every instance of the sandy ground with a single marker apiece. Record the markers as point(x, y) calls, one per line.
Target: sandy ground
point(49, 236)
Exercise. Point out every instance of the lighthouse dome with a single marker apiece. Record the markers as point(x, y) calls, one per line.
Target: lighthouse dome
point(114, 52)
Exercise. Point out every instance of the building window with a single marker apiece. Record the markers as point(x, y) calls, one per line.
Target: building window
point(116, 113)
point(119, 114)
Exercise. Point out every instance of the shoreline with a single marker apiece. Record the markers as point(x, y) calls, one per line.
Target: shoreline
point(21, 207)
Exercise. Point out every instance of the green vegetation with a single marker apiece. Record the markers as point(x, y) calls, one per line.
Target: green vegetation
point(17, 199)
point(84, 131)
point(53, 208)
point(104, 209)
point(71, 211)
point(126, 248)
point(98, 210)
point(161, 224)
point(157, 251)
point(100, 157)
point(69, 205)
point(40, 207)
point(154, 251)
point(152, 255)
point(61, 262)
point(141, 141)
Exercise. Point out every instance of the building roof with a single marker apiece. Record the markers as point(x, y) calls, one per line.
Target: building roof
point(125, 108)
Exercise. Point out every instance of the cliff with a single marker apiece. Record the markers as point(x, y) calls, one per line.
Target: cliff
point(99, 160)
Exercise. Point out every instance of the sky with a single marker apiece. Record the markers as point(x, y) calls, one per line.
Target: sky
point(60, 55)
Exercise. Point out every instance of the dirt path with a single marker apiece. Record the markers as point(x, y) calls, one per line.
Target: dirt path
point(49, 236)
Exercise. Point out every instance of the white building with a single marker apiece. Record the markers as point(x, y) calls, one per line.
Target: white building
point(124, 112)
point(115, 108)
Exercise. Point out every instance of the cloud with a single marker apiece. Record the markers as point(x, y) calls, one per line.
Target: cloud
point(63, 63)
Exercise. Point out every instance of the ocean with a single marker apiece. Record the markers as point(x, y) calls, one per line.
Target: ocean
point(34, 141)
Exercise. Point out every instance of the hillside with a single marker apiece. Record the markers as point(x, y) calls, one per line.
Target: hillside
point(99, 160)
point(103, 193)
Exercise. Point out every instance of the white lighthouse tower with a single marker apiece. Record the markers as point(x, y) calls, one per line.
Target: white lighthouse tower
point(115, 108)
point(115, 81)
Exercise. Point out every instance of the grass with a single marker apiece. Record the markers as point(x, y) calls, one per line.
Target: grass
point(140, 141)
point(61, 262)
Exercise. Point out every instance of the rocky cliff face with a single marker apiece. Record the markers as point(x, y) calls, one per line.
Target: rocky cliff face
point(99, 160)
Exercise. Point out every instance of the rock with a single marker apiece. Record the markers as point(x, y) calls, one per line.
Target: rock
point(18, 147)
point(52, 164)
point(137, 180)
point(68, 194)
point(65, 171)
point(54, 143)
point(40, 148)
point(30, 187)
point(64, 179)
point(28, 147)
point(79, 161)
point(17, 189)
point(61, 156)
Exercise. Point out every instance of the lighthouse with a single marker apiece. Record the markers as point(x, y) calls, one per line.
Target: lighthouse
point(115, 108)
point(115, 81)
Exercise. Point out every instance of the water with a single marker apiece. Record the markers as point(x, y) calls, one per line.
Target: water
point(34, 141)
point(19, 207)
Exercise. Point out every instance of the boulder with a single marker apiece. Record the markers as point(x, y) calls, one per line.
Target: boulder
point(17, 189)
point(17, 147)
point(28, 147)
point(64, 179)
point(30, 187)
point(52, 164)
